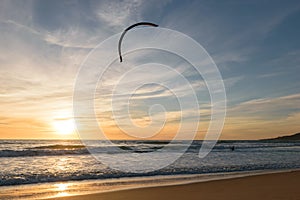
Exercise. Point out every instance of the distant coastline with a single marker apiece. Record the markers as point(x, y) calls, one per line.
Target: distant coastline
point(294, 137)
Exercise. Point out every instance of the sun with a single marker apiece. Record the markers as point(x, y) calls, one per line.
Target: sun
point(64, 126)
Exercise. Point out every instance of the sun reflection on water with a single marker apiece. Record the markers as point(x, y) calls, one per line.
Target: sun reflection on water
point(62, 189)
point(62, 186)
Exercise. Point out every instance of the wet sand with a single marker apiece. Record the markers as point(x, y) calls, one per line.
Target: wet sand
point(284, 185)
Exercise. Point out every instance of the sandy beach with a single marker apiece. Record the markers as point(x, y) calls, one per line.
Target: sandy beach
point(284, 185)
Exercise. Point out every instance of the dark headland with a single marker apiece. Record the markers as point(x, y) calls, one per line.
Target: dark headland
point(293, 137)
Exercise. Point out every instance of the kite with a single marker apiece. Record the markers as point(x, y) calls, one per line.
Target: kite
point(127, 29)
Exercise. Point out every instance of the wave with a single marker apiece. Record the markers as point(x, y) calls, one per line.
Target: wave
point(63, 150)
point(143, 147)
point(60, 146)
point(26, 153)
point(35, 168)
point(109, 174)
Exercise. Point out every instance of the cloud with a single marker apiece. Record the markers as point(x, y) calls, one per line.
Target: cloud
point(232, 32)
point(243, 127)
point(270, 75)
point(119, 13)
point(43, 44)
point(268, 108)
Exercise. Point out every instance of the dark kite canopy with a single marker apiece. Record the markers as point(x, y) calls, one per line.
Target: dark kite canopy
point(127, 29)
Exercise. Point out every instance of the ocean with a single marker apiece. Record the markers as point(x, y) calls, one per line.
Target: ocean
point(26, 162)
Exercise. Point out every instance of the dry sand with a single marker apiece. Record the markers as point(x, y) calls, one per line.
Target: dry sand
point(284, 186)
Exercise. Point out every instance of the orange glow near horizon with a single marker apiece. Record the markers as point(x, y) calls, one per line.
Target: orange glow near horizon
point(65, 128)
point(59, 124)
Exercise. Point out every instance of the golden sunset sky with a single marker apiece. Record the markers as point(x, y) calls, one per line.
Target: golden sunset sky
point(255, 45)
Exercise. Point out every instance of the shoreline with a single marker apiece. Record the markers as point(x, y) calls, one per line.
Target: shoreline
point(269, 186)
point(87, 187)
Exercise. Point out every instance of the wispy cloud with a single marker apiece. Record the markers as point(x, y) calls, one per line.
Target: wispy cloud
point(43, 44)
point(117, 13)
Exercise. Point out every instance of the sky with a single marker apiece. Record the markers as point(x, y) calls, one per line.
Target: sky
point(255, 45)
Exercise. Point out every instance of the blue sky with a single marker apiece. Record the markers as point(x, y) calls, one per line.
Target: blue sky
point(255, 44)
